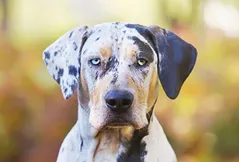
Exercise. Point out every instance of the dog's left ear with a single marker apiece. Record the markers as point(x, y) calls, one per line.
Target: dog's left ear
point(62, 59)
point(176, 59)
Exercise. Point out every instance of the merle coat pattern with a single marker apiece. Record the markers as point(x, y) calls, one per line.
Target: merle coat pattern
point(118, 58)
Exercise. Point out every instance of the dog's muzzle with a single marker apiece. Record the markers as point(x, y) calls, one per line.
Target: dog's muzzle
point(119, 102)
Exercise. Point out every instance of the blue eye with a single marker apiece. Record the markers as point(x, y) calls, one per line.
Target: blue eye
point(95, 61)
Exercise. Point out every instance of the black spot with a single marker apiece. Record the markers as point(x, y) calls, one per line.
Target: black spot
point(73, 86)
point(62, 150)
point(145, 50)
point(58, 80)
point(116, 23)
point(59, 75)
point(47, 55)
point(72, 70)
point(60, 72)
point(82, 144)
point(96, 75)
point(55, 53)
point(124, 31)
point(97, 39)
point(75, 46)
point(110, 65)
point(144, 31)
point(71, 34)
point(65, 90)
point(116, 40)
point(115, 77)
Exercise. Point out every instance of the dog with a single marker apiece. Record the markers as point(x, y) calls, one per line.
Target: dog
point(117, 69)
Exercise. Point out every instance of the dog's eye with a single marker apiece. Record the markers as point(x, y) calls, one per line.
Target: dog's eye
point(141, 62)
point(95, 61)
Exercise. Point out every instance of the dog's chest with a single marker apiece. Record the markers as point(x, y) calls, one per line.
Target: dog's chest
point(115, 147)
point(107, 147)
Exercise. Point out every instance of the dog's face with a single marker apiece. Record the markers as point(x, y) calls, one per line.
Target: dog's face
point(117, 67)
point(118, 62)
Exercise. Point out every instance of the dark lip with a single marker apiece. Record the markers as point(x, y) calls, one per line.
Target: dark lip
point(119, 122)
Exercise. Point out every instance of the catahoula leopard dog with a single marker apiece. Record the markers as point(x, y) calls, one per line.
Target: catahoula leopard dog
point(117, 69)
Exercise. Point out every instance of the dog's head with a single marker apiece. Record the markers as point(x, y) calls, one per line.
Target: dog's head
point(116, 67)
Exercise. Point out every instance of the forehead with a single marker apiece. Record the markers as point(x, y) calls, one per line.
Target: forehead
point(110, 37)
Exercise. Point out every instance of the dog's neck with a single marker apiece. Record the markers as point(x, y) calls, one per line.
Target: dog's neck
point(124, 144)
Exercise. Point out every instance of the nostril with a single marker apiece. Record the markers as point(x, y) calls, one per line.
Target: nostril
point(111, 102)
point(126, 102)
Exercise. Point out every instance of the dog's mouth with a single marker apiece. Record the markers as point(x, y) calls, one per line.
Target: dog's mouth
point(118, 122)
point(101, 119)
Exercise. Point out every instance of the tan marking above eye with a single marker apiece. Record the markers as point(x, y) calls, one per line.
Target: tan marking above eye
point(106, 52)
point(129, 52)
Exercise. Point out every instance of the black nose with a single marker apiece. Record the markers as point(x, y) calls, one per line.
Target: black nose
point(119, 101)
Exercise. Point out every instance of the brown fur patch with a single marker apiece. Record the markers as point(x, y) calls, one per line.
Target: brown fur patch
point(130, 52)
point(82, 80)
point(106, 52)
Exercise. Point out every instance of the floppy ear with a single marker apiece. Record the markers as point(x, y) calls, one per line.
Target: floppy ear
point(176, 59)
point(62, 59)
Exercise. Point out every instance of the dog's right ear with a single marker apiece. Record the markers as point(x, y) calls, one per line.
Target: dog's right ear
point(62, 59)
point(176, 59)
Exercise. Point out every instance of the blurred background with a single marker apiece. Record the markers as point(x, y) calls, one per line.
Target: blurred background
point(202, 124)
